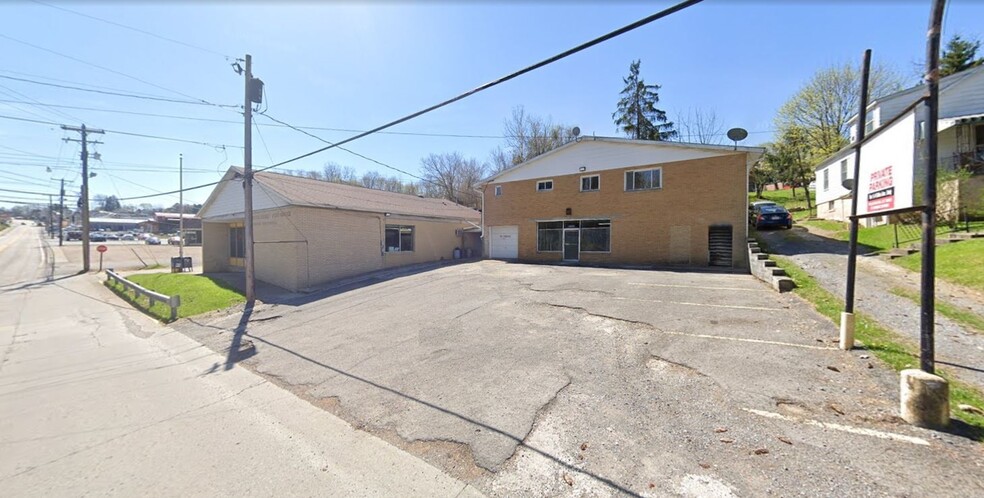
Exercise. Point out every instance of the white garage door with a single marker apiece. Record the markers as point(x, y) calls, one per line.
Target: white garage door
point(504, 242)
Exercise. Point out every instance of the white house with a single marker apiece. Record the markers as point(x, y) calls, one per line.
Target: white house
point(961, 144)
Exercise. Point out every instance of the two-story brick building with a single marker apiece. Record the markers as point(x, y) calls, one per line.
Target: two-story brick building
point(622, 202)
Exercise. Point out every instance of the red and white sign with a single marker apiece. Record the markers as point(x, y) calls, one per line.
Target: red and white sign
point(102, 248)
point(881, 190)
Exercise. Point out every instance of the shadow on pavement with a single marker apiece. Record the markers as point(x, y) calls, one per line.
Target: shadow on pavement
point(798, 240)
point(428, 404)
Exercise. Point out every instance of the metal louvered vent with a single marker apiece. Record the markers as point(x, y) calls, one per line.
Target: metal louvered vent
point(719, 245)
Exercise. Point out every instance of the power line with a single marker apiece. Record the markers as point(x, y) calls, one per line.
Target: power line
point(25, 192)
point(584, 46)
point(132, 134)
point(104, 68)
point(171, 192)
point(119, 93)
point(131, 28)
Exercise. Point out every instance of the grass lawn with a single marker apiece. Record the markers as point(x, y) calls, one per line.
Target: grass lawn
point(199, 294)
point(895, 351)
point(958, 262)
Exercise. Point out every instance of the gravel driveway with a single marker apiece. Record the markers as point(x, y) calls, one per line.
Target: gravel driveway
point(958, 350)
point(529, 380)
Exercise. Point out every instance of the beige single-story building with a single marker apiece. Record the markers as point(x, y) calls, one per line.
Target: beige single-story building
point(309, 232)
point(623, 202)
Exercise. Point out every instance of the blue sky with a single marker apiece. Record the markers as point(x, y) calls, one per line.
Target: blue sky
point(355, 66)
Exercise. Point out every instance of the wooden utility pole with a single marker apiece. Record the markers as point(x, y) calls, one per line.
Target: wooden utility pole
point(181, 210)
point(248, 183)
point(83, 131)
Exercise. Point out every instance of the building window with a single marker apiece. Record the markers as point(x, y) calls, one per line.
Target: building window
point(646, 179)
point(830, 206)
point(549, 236)
point(843, 171)
point(237, 242)
point(590, 183)
point(871, 121)
point(399, 238)
point(596, 235)
point(544, 185)
point(826, 179)
point(921, 130)
point(498, 190)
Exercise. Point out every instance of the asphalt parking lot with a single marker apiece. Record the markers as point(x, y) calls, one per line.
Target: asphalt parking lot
point(127, 254)
point(548, 380)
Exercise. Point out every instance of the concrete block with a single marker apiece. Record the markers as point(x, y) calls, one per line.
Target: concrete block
point(925, 399)
point(768, 263)
point(754, 250)
point(783, 284)
point(761, 256)
point(776, 272)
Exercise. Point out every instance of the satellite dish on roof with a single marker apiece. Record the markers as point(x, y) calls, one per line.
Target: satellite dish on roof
point(576, 131)
point(737, 134)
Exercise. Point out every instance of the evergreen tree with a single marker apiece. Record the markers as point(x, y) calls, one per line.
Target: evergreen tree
point(637, 115)
point(958, 55)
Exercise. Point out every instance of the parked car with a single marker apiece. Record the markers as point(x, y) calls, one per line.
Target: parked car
point(751, 209)
point(127, 236)
point(174, 240)
point(97, 237)
point(142, 236)
point(112, 236)
point(771, 215)
point(153, 241)
point(73, 235)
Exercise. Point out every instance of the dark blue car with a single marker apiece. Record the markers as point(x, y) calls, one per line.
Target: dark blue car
point(771, 216)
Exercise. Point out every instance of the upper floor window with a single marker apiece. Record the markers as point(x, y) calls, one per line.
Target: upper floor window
point(544, 185)
point(590, 183)
point(644, 179)
point(826, 179)
point(843, 171)
point(498, 190)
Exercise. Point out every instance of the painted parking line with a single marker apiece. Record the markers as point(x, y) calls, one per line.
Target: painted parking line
point(742, 289)
point(843, 428)
point(709, 305)
point(744, 339)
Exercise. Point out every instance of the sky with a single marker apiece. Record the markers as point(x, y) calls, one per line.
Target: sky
point(347, 67)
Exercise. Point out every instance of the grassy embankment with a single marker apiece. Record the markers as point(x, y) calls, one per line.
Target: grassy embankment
point(199, 294)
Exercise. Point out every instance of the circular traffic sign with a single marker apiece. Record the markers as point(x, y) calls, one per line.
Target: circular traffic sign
point(101, 248)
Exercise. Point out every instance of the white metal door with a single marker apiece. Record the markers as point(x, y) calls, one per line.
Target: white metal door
point(504, 242)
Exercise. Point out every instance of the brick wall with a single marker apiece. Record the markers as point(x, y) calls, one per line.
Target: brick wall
point(650, 227)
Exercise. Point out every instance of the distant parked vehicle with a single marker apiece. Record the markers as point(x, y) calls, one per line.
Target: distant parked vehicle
point(142, 236)
point(771, 216)
point(751, 209)
point(112, 236)
point(174, 240)
point(73, 235)
point(97, 237)
point(127, 236)
point(153, 241)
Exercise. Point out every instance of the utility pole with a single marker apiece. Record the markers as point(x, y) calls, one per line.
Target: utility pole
point(248, 185)
point(83, 131)
point(181, 210)
point(61, 213)
point(51, 206)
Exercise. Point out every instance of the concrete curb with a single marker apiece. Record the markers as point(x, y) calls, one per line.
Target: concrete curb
point(766, 270)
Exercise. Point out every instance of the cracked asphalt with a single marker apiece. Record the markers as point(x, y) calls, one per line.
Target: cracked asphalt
point(538, 380)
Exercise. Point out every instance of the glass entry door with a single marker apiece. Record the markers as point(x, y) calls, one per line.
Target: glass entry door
point(572, 244)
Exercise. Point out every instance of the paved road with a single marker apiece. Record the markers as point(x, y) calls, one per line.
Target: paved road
point(96, 399)
point(958, 350)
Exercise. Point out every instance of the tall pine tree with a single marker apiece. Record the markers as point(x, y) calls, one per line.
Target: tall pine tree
point(636, 114)
point(959, 54)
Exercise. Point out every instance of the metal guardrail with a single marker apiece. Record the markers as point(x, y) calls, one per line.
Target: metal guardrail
point(908, 226)
point(172, 301)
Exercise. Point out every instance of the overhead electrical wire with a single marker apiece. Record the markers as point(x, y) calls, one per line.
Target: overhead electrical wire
point(579, 48)
point(132, 134)
point(131, 28)
point(104, 68)
point(120, 93)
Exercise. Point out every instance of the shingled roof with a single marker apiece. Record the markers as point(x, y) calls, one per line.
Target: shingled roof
point(317, 193)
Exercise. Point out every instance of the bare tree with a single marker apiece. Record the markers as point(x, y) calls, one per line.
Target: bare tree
point(700, 127)
point(373, 180)
point(527, 136)
point(453, 177)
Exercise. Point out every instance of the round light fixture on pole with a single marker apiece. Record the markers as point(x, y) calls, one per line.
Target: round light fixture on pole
point(737, 135)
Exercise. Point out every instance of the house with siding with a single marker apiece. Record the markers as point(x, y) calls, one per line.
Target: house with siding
point(610, 201)
point(960, 142)
point(309, 232)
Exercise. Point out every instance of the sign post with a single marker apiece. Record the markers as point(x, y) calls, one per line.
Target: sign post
point(102, 249)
